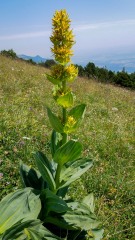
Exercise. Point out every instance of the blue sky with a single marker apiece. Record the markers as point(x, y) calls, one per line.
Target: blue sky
point(103, 28)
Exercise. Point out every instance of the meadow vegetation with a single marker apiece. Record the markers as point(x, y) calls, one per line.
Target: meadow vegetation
point(107, 133)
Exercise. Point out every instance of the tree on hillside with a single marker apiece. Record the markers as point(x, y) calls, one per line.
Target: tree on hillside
point(111, 75)
point(90, 70)
point(31, 61)
point(48, 63)
point(124, 79)
point(102, 74)
point(81, 71)
point(9, 53)
point(132, 80)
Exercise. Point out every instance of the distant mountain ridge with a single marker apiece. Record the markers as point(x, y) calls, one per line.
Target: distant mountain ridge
point(37, 59)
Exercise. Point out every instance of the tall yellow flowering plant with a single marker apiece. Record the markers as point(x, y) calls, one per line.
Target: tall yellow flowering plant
point(63, 72)
point(43, 209)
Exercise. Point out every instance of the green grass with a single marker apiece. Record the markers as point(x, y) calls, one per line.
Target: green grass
point(107, 132)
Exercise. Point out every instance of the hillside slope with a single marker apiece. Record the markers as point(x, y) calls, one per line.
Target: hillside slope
point(107, 133)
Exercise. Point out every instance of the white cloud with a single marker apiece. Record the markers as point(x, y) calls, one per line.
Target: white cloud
point(25, 35)
point(120, 23)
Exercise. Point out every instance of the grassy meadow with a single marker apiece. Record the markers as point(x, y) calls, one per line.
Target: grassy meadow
point(107, 133)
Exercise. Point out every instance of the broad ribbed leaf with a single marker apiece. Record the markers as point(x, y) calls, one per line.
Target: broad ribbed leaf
point(74, 171)
point(53, 80)
point(66, 100)
point(44, 160)
point(45, 172)
point(89, 201)
point(78, 112)
point(32, 230)
point(80, 216)
point(53, 203)
point(30, 177)
point(98, 234)
point(22, 204)
point(62, 191)
point(70, 151)
point(55, 122)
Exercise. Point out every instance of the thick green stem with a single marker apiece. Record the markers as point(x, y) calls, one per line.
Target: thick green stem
point(64, 111)
point(64, 115)
point(57, 176)
point(64, 138)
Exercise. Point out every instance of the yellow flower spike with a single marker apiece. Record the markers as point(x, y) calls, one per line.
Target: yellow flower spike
point(62, 37)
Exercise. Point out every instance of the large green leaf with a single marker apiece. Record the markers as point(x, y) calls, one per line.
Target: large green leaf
point(70, 151)
point(74, 171)
point(53, 203)
point(78, 112)
point(81, 216)
point(97, 234)
point(22, 204)
point(45, 160)
point(53, 80)
point(31, 177)
point(62, 191)
point(45, 172)
point(29, 230)
point(89, 201)
point(78, 217)
point(66, 100)
point(55, 122)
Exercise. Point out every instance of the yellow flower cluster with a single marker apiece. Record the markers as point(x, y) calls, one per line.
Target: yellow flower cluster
point(69, 126)
point(71, 72)
point(68, 73)
point(71, 121)
point(57, 71)
point(62, 37)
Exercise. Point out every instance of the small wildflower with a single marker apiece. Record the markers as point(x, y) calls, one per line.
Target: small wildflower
point(7, 183)
point(71, 72)
point(15, 150)
point(112, 191)
point(1, 175)
point(71, 121)
point(6, 152)
point(70, 124)
point(27, 138)
point(114, 109)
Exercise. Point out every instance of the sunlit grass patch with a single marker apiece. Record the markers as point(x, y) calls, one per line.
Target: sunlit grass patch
point(107, 132)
